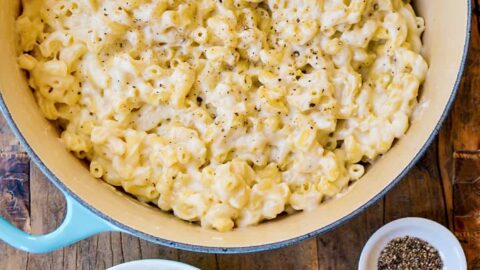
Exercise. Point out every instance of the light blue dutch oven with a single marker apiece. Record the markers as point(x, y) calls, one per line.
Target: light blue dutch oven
point(94, 207)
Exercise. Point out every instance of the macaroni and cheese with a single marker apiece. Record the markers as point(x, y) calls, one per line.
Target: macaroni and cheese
point(225, 112)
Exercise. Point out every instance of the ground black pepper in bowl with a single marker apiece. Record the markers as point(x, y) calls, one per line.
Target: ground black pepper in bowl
point(408, 253)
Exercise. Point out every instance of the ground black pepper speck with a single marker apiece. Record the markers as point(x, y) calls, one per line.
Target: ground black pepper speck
point(409, 253)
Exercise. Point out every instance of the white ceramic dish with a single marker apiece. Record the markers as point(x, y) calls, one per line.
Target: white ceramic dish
point(153, 265)
point(437, 235)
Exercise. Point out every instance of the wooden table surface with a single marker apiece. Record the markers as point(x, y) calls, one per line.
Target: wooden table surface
point(444, 186)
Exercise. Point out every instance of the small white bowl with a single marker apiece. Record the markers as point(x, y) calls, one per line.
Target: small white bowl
point(436, 234)
point(153, 265)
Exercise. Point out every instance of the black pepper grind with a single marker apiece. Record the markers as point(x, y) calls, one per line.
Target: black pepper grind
point(409, 253)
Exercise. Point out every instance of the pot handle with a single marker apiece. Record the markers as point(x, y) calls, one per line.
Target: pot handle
point(79, 223)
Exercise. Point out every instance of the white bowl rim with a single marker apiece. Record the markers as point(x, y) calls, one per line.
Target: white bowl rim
point(141, 264)
point(416, 227)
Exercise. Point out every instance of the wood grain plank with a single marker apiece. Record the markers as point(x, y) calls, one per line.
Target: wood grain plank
point(131, 247)
point(458, 142)
point(202, 261)
point(134, 248)
point(69, 257)
point(11, 258)
point(104, 251)
point(341, 248)
point(154, 251)
point(419, 194)
point(14, 194)
point(14, 189)
point(465, 127)
point(300, 256)
point(116, 246)
point(445, 165)
point(467, 203)
point(467, 188)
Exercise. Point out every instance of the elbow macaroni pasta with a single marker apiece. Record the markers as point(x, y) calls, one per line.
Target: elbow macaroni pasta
point(225, 112)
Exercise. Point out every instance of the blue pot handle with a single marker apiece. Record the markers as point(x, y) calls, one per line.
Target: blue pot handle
point(79, 223)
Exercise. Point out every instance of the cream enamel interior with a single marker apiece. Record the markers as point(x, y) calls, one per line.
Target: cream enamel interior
point(444, 41)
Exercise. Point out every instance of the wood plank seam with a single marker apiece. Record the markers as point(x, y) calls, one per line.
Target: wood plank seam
point(446, 189)
point(14, 188)
point(466, 202)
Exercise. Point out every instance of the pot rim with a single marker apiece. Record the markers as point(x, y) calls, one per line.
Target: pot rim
point(271, 246)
